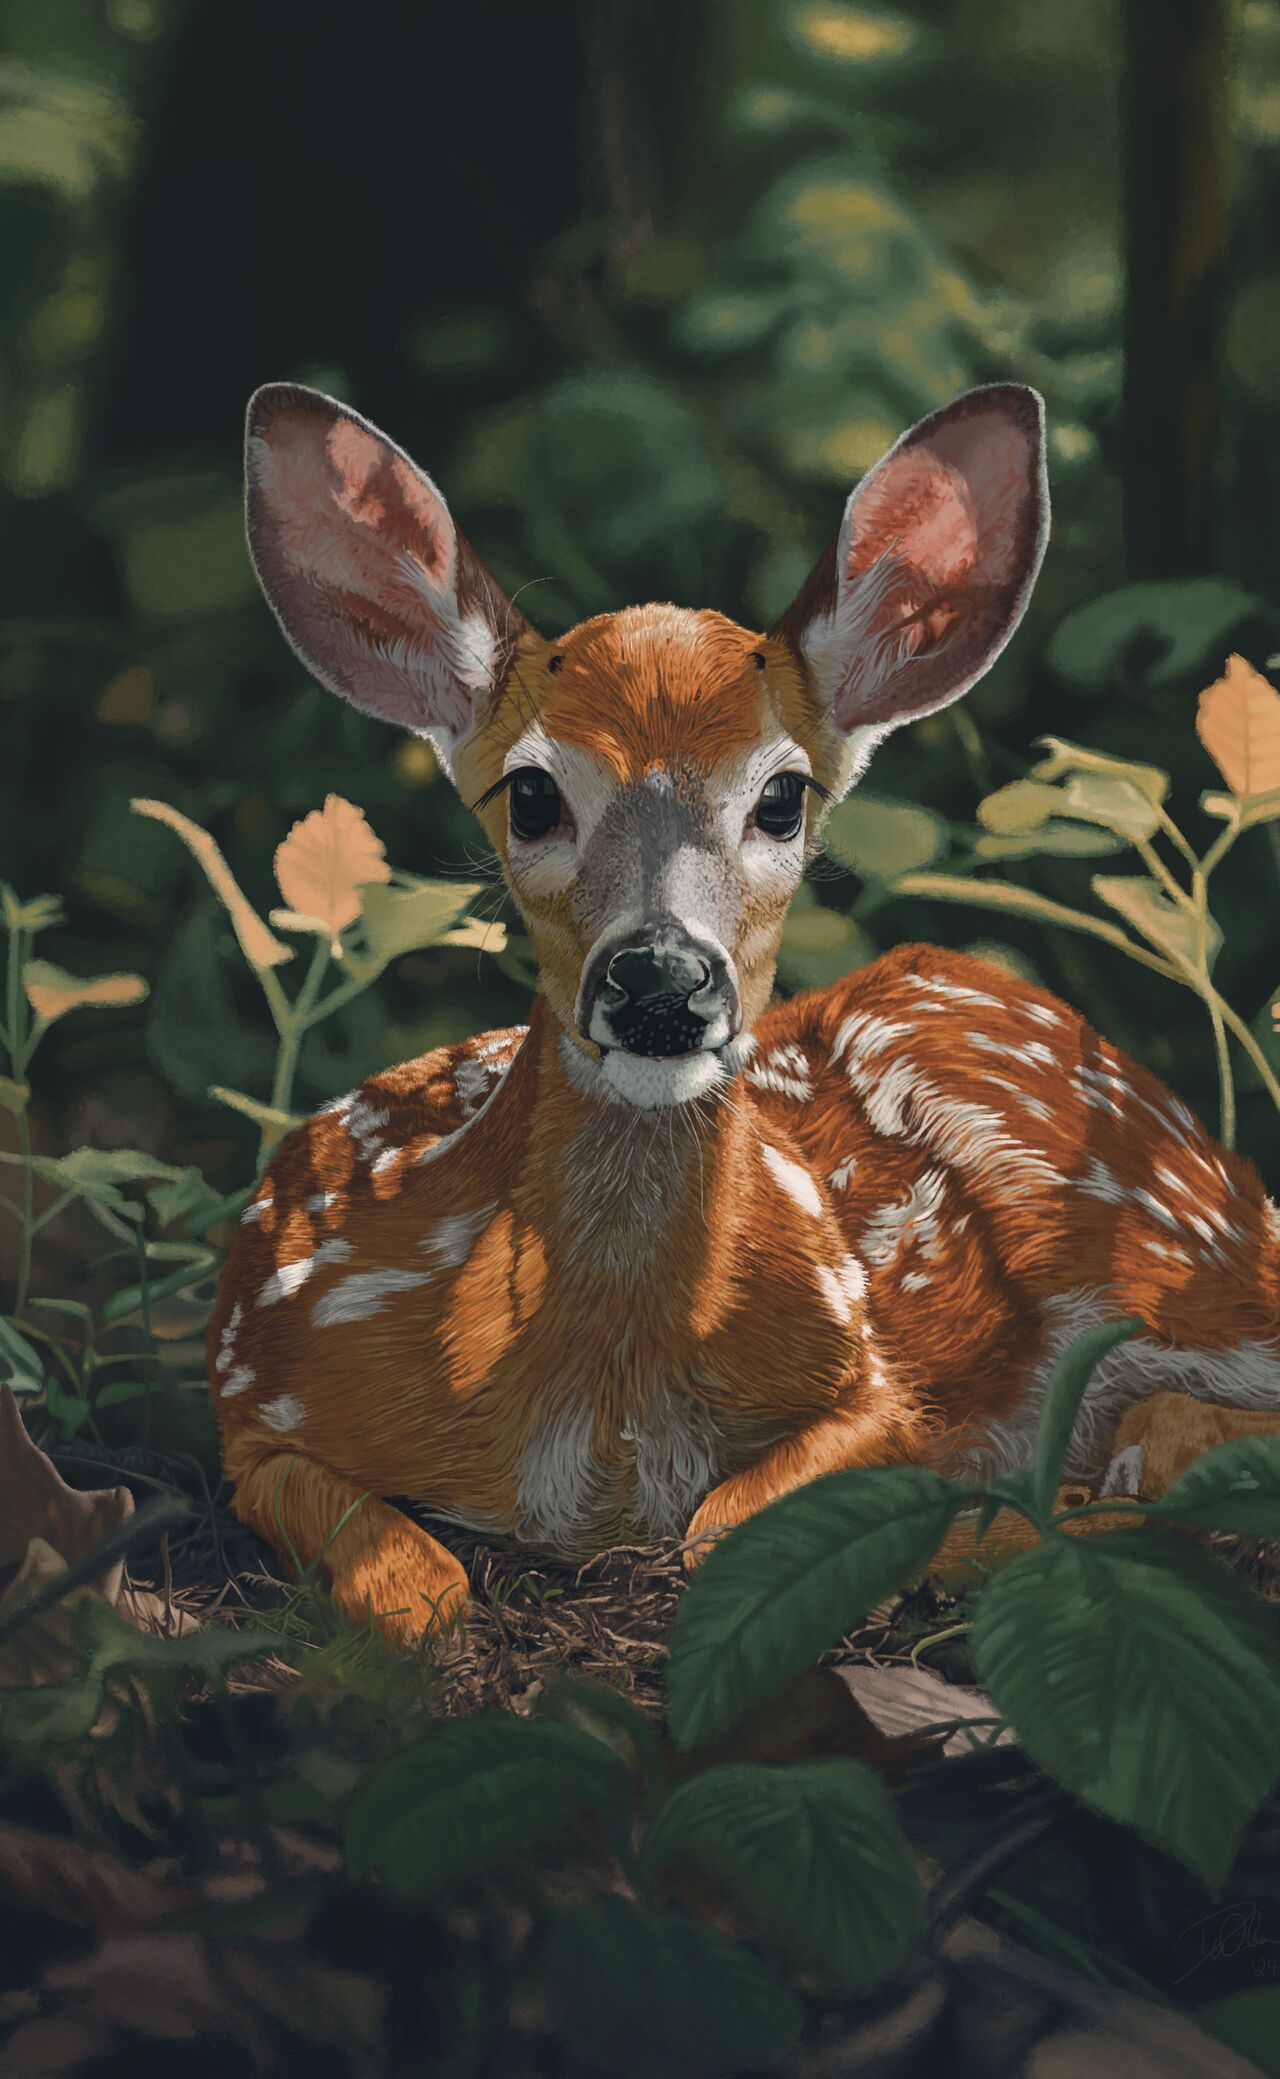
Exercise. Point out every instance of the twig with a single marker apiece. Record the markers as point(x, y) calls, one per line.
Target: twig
point(973, 1875)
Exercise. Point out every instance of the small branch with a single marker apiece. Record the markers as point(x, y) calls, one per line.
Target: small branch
point(972, 1877)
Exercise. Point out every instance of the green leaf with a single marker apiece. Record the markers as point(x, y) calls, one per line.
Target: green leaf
point(69, 1410)
point(399, 920)
point(19, 1363)
point(52, 1716)
point(818, 946)
point(1249, 2023)
point(122, 1390)
point(718, 321)
point(196, 1263)
point(111, 1642)
point(603, 1712)
point(815, 1850)
point(774, 1594)
point(1142, 1675)
point(1113, 799)
point(879, 838)
point(188, 1197)
point(669, 1997)
point(274, 1124)
point(1235, 1487)
point(41, 913)
point(472, 1793)
point(1163, 630)
point(1164, 924)
point(1065, 758)
point(14, 1097)
point(97, 1173)
point(1061, 1404)
point(1055, 840)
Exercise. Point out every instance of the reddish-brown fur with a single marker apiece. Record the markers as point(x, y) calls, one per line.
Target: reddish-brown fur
point(579, 1321)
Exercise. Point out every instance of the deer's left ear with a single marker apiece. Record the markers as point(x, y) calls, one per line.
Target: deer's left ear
point(933, 563)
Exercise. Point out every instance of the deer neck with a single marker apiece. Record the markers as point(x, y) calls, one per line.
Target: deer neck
point(624, 1197)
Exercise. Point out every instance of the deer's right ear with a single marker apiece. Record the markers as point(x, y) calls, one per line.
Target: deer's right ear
point(382, 598)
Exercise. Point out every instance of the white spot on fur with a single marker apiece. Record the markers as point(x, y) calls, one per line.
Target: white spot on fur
point(914, 1281)
point(901, 1103)
point(253, 1213)
point(1040, 1012)
point(894, 1227)
point(337, 1107)
point(291, 1277)
point(364, 1293)
point(784, 1070)
point(242, 1376)
point(385, 1160)
point(839, 1178)
point(794, 1179)
point(1161, 1212)
point(1271, 1217)
point(954, 992)
point(867, 1036)
point(452, 1239)
point(1100, 1182)
point(1124, 1474)
point(321, 1202)
point(283, 1413)
point(226, 1341)
point(364, 1123)
point(843, 1288)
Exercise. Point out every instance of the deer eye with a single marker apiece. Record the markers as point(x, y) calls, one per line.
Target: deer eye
point(536, 807)
point(780, 809)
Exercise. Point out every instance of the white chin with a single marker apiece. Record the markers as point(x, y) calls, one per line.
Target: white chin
point(651, 1084)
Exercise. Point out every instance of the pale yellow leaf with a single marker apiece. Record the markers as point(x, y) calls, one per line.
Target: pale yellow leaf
point(1164, 924)
point(260, 949)
point(51, 991)
point(326, 860)
point(1067, 757)
point(1017, 809)
point(1238, 722)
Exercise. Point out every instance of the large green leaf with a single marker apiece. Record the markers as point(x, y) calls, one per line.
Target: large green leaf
point(1235, 1488)
point(1248, 2022)
point(1164, 629)
point(774, 1594)
point(660, 1996)
point(815, 1850)
point(880, 838)
point(818, 946)
point(473, 1792)
point(98, 1173)
point(1143, 1675)
point(1061, 1404)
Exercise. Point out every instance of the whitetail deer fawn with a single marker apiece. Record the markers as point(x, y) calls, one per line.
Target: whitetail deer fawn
point(637, 1269)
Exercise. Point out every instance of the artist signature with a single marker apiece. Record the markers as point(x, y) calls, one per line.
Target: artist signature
point(1231, 1931)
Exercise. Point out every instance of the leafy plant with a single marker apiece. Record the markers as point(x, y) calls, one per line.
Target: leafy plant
point(1136, 1670)
point(340, 892)
point(1077, 801)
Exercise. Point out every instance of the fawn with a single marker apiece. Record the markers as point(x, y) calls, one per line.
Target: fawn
point(638, 1268)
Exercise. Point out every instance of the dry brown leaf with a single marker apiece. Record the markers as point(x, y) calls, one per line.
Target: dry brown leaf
point(51, 992)
point(43, 1649)
point(260, 949)
point(36, 1502)
point(325, 861)
point(1238, 722)
point(85, 1886)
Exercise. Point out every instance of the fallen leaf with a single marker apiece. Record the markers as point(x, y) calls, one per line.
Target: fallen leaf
point(325, 861)
point(43, 1651)
point(86, 1886)
point(1238, 722)
point(51, 991)
point(260, 949)
point(36, 1502)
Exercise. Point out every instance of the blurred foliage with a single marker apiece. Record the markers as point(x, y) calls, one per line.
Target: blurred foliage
point(634, 379)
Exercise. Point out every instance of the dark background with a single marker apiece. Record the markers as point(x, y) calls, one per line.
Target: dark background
point(646, 287)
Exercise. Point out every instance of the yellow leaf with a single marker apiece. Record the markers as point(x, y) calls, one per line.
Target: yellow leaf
point(1164, 924)
point(51, 991)
point(1066, 757)
point(260, 949)
point(485, 937)
point(1238, 722)
point(325, 861)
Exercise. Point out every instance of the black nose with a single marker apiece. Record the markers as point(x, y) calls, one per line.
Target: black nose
point(643, 973)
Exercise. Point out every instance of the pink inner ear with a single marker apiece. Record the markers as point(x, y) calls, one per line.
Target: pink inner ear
point(943, 541)
point(352, 514)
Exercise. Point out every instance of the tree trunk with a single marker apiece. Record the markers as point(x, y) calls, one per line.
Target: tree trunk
point(1177, 208)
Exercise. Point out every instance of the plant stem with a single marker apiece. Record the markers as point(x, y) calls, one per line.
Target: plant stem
point(144, 1290)
point(296, 1020)
point(996, 895)
point(18, 1056)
